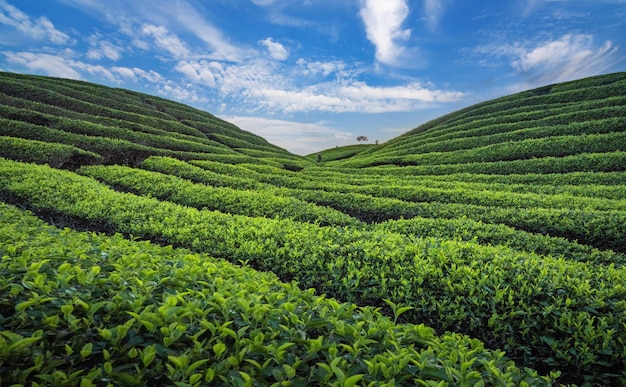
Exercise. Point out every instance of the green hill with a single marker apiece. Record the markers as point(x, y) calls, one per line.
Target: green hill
point(119, 126)
point(144, 242)
point(573, 126)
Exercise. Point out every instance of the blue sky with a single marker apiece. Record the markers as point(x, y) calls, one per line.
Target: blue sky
point(308, 75)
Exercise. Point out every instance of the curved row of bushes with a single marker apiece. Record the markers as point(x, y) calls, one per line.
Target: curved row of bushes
point(607, 185)
point(546, 312)
point(265, 203)
point(97, 130)
point(498, 134)
point(528, 117)
point(590, 107)
point(602, 229)
point(422, 191)
point(228, 200)
point(53, 154)
point(519, 151)
point(85, 309)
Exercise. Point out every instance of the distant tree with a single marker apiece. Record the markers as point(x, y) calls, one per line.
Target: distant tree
point(376, 142)
point(361, 138)
point(319, 157)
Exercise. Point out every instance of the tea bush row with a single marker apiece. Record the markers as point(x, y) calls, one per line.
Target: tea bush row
point(85, 309)
point(169, 127)
point(265, 203)
point(507, 121)
point(446, 192)
point(227, 200)
point(558, 146)
point(55, 154)
point(467, 229)
point(602, 229)
point(21, 88)
point(592, 185)
point(96, 130)
point(112, 151)
point(543, 311)
point(486, 136)
point(185, 170)
point(531, 101)
point(409, 175)
point(586, 162)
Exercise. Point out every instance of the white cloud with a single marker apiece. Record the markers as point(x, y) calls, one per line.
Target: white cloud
point(410, 92)
point(40, 29)
point(198, 72)
point(52, 65)
point(184, 93)
point(136, 74)
point(433, 10)
point(276, 50)
point(263, 3)
point(102, 49)
point(63, 65)
point(570, 57)
point(190, 18)
point(324, 68)
point(164, 18)
point(383, 24)
point(264, 85)
point(166, 40)
point(571, 54)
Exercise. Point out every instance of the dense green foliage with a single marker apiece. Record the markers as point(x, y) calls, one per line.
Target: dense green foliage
point(476, 245)
point(450, 284)
point(85, 309)
point(227, 200)
point(54, 154)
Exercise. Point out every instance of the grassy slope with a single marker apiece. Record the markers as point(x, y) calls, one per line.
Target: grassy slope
point(539, 175)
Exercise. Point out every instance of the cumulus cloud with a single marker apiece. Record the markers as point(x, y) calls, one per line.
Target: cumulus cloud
point(40, 29)
point(325, 68)
point(102, 49)
point(263, 3)
point(137, 74)
point(356, 97)
point(276, 50)
point(198, 72)
point(383, 24)
point(181, 93)
point(166, 40)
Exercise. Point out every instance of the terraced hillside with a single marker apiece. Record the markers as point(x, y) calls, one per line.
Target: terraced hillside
point(568, 127)
point(117, 127)
point(160, 245)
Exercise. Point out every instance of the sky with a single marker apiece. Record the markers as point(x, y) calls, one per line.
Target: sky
point(309, 75)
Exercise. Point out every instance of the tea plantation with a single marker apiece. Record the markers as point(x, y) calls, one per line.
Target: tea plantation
point(144, 242)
